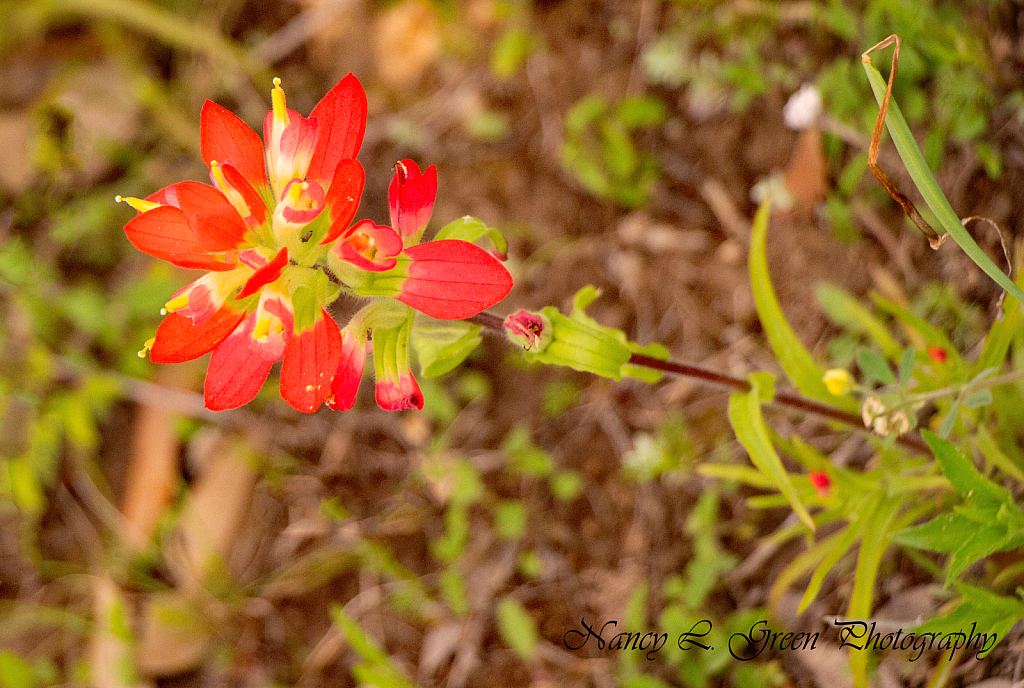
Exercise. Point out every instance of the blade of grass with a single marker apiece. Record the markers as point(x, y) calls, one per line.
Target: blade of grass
point(794, 358)
point(924, 180)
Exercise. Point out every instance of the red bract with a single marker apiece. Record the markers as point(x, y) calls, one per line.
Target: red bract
point(306, 165)
point(411, 199)
point(453, 279)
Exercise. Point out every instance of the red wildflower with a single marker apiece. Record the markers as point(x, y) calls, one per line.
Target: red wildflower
point(277, 214)
point(228, 228)
point(937, 354)
point(821, 482)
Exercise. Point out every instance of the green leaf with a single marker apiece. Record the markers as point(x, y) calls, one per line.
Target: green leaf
point(837, 549)
point(441, 345)
point(963, 476)
point(996, 456)
point(1001, 334)
point(843, 309)
point(874, 366)
point(794, 358)
point(949, 420)
point(925, 182)
point(510, 52)
point(510, 519)
point(471, 229)
point(875, 541)
point(980, 612)
point(748, 424)
point(981, 542)
point(517, 628)
point(944, 533)
point(983, 397)
point(907, 366)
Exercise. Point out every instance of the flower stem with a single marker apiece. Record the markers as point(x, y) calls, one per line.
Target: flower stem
point(722, 380)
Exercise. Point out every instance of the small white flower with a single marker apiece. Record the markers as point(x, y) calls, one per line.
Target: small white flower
point(803, 107)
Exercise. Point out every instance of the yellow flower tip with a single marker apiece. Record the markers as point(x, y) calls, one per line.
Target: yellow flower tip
point(277, 98)
point(147, 346)
point(837, 381)
point(137, 203)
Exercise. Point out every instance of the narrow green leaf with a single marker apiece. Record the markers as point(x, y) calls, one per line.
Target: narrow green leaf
point(949, 420)
point(364, 645)
point(931, 334)
point(748, 424)
point(996, 456)
point(925, 182)
point(1000, 335)
point(799, 567)
point(874, 366)
point(907, 366)
point(843, 309)
point(983, 397)
point(841, 547)
point(794, 358)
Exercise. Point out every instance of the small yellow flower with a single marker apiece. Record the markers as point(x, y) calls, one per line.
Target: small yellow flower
point(838, 381)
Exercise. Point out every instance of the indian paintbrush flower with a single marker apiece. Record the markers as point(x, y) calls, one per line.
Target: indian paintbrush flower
point(278, 213)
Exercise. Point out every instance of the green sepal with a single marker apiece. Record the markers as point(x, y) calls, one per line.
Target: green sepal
point(441, 345)
point(391, 349)
point(586, 296)
point(367, 282)
point(581, 346)
point(471, 229)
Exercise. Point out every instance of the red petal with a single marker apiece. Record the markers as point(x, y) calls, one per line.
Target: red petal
point(265, 275)
point(252, 199)
point(453, 279)
point(165, 233)
point(190, 196)
point(219, 228)
point(178, 340)
point(411, 199)
point(398, 395)
point(345, 384)
point(341, 118)
point(227, 139)
point(237, 370)
point(310, 361)
point(343, 196)
point(385, 239)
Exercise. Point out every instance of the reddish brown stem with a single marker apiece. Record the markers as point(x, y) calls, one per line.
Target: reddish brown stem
point(721, 380)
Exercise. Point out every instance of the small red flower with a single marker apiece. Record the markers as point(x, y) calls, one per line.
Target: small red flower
point(937, 354)
point(821, 482)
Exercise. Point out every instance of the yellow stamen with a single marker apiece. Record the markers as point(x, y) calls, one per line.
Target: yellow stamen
point(147, 346)
point(218, 174)
point(262, 328)
point(137, 203)
point(175, 304)
point(295, 192)
point(277, 97)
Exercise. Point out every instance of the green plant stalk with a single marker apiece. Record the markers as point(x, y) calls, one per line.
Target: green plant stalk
point(926, 184)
